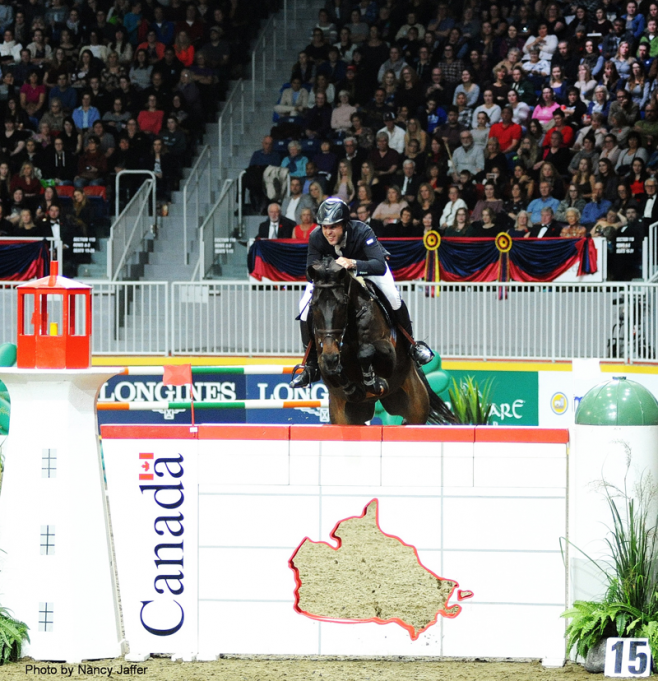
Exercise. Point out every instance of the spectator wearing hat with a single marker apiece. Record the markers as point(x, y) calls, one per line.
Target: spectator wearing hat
point(395, 133)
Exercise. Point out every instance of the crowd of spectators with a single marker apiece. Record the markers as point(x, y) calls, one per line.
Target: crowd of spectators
point(532, 117)
point(92, 87)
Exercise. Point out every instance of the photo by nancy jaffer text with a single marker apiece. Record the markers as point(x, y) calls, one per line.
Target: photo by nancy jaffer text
point(67, 670)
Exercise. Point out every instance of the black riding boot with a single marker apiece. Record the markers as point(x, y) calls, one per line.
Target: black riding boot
point(419, 351)
point(305, 374)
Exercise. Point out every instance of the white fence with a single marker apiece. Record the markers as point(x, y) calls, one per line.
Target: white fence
point(490, 321)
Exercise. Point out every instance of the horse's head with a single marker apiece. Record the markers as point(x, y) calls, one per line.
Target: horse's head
point(331, 288)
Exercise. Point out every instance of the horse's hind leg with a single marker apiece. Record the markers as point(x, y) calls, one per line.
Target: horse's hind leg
point(411, 401)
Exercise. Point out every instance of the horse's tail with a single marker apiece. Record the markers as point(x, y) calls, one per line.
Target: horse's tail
point(440, 414)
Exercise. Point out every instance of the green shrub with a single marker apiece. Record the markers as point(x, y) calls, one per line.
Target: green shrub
point(470, 404)
point(12, 636)
point(630, 605)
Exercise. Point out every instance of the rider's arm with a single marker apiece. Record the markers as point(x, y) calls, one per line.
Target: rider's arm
point(373, 260)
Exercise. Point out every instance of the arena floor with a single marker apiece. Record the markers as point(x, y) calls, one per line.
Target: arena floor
point(241, 669)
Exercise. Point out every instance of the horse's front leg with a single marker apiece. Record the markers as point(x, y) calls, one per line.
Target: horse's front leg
point(367, 351)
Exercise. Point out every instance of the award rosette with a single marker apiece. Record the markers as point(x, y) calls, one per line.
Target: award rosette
point(432, 241)
point(504, 246)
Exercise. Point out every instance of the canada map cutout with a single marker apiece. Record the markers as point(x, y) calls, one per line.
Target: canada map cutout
point(370, 576)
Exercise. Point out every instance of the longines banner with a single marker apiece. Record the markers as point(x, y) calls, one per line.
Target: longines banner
point(521, 398)
point(153, 493)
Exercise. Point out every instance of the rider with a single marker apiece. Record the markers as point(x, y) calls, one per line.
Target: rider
point(354, 246)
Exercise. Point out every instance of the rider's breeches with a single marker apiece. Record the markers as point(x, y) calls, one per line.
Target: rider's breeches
point(384, 283)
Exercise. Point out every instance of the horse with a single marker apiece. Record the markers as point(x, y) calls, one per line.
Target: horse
point(361, 357)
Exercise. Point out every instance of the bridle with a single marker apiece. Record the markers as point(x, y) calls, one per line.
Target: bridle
point(337, 334)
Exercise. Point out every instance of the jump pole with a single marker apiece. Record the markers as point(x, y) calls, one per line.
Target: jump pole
point(243, 404)
point(248, 370)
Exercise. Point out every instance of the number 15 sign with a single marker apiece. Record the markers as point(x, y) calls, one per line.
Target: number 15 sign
point(627, 657)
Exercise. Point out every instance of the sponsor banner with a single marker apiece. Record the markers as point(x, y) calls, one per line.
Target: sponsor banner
point(153, 492)
point(514, 395)
point(211, 388)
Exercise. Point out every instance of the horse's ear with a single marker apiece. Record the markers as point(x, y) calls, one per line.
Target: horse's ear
point(312, 270)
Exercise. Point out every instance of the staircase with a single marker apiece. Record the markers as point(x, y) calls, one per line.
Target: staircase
point(166, 262)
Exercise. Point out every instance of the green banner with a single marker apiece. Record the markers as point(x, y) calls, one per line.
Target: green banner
point(515, 395)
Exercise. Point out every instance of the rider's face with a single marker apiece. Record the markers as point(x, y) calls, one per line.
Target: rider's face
point(333, 233)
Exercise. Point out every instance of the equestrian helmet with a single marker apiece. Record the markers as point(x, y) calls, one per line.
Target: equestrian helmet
point(332, 211)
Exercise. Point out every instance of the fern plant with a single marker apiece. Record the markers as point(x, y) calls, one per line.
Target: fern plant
point(470, 403)
point(12, 636)
point(630, 605)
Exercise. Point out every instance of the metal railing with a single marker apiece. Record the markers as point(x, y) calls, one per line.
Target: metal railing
point(128, 317)
point(650, 254)
point(201, 176)
point(130, 228)
point(503, 321)
point(460, 320)
point(218, 227)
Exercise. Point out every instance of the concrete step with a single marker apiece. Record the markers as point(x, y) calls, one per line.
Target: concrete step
point(168, 272)
point(92, 271)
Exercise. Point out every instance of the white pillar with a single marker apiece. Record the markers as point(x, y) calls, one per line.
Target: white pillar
point(56, 573)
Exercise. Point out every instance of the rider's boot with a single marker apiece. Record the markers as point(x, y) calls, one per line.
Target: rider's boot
point(305, 374)
point(420, 352)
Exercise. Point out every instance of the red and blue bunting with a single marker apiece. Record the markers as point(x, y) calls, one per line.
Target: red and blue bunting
point(459, 258)
point(21, 261)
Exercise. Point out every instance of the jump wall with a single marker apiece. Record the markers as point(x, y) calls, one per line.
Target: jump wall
point(484, 506)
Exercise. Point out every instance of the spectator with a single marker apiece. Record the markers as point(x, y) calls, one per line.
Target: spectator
point(306, 225)
point(140, 73)
point(100, 98)
point(490, 201)
point(122, 47)
point(175, 141)
point(58, 164)
point(452, 206)
point(606, 175)
point(318, 118)
point(546, 43)
point(467, 157)
point(71, 137)
point(276, 226)
point(388, 211)
point(565, 131)
point(385, 160)
point(596, 208)
point(81, 216)
point(54, 117)
point(295, 162)
point(545, 200)
point(344, 187)
point(10, 50)
point(65, 93)
point(395, 134)
point(26, 227)
point(116, 118)
point(461, 226)
point(106, 142)
point(341, 115)
point(150, 120)
point(488, 227)
point(545, 108)
point(547, 227)
point(86, 114)
point(507, 132)
point(112, 72)
point(153, 48)
point(163, 166)
point(33, 97)
point(492, 110)
point(316, 192)
point(573, 228)
point(92, 166)
point(170, 67)
point(649, 207)
point(294, 204)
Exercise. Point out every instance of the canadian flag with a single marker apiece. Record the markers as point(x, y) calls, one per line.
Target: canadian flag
point(146, 465)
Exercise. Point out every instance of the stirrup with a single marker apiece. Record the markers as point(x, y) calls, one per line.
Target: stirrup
point(421, 353)
point(303, 375)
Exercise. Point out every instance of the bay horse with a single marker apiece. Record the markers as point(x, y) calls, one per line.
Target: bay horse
point(361, 358)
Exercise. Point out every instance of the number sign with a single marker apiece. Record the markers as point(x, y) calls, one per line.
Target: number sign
point(627, 658)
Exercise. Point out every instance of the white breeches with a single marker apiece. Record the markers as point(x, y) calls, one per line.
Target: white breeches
point(385, 283)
